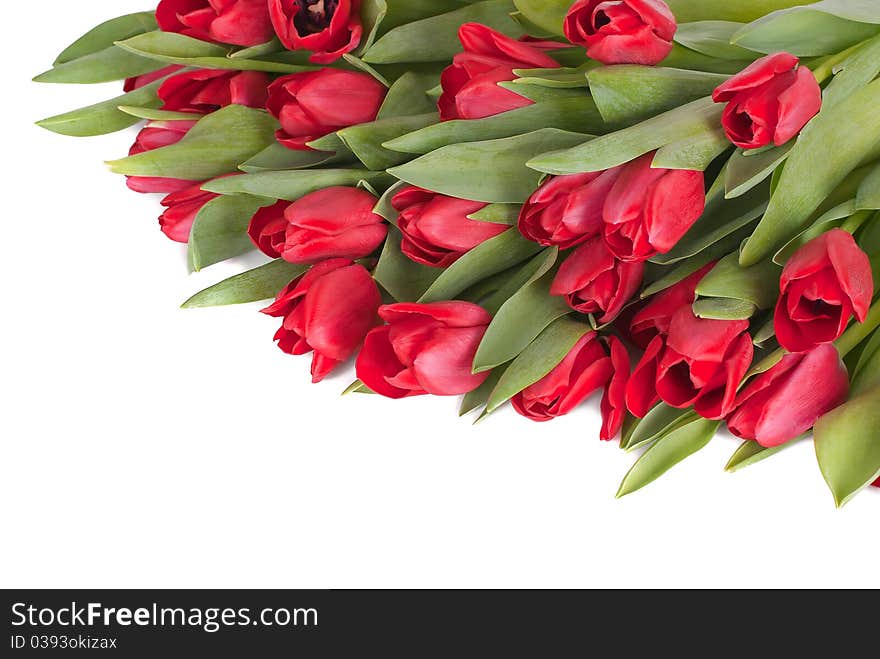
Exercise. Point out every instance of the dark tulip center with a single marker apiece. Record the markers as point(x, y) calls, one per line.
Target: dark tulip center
point(314, 15)
point(600, 20)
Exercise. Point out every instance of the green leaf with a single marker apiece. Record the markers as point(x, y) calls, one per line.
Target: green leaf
point(628, 144)
point(105, 117)
point(568, 113)
point(742, 11)
point(712, 38)
point(821, 28)
point(217, 145)
point(869, 191)
point(173, 48)
point(658, 422)
point(261, 283)
point(546, 14)
point(749, 453)
point(626, 94)
point(270, 47)
point(366, 140)
point(813, 170)
point(480, 396)
point(667, 452)
point(533, 270)
point(498, 214)
point(757, 284)
point(847, 447)
point(745, 172)
point(489, 258)
point(402, 277)
point(278, 157)
point(855, 72)
point(153, 114)
point(493, 171)
point(541, 356)
point(694, 153)
point(685, 58)
point(102, 66)
point(566, 77)
point(408, 96)
point(869, 353)
point(107, 33)
point(826, 222)
point(764, 334)
point(291, 185)
point(435, 39)
point(220, 230)
point(724, 309)
point(518, 322)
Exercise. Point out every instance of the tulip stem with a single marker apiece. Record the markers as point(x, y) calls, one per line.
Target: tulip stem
point(824, 68)
point(859, 331)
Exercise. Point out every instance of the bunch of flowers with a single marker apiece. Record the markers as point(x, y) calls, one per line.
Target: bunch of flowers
point(672, 205)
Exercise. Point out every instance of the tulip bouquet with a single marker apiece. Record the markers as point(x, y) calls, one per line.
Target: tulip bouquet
point(673, 204)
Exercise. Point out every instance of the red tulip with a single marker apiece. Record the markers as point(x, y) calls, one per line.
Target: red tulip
point(317, 103)
point(131, 84)
point(823, 285)
point(328, 28)
point(327, 311)
point(649, 210)
point(622, 31)
point(424, 349)
point(155, 135)
point(268, 229)
point(332, 223)
point(585, 369)
point(656, 316)
point(786, 401)
point(701, 363)
point(769, 101)
point(470, 85)
point(181, 209)
point(876, 483)
point(567, 210)
point(593, 281)
point(614, 400)
point(206, 90)
point(436, 229)
point(237, 22)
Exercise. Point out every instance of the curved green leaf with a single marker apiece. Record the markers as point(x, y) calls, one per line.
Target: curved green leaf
point(750, 453)
point(152, 114)
point(667, 452)
point(493, 171)
point(513, 282)
point(720, 308)
point(278, 157)
point(107, 33)
point(366, 140)
point(546, 14)
point(693, 153)
point(757, 284)
point(847, 446)
point(712, 38)
point(220, 230)
point(102, 66)
point(658, 422)
point(255, 285)
point(742, 11)
point(402, 277)
point(745, 172)
point(855, 72)
point(291, 185)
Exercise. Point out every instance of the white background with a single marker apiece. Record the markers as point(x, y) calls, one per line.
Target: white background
point(147, 446)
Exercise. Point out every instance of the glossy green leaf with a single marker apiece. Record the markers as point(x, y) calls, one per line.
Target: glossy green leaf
point(628, 144)
point(813, 170)
point(742, 11)
point(750, 453)
point(757, 284)
point(626, 94)
point(498, 214)
point(820, 28)
point(868, 196)
point(847, 446)
point(260, 50)
point(402, 277)
point(694, 153)
point(366, 140)
point(855, 72)
point(540, 357)
point(291, 185)
point(523, 276)
point(262, 283)
point(153, 114)
point(764, 334)
point(565, 77)
point(215, 146)
point(493, 171)
point(569, 113)
point(277, 157)
point(105, 117)
point(408, 96)
point(173, 48)
point(712, 38)
point(829, 220)
point(658, 422)
point(745, 172)
point(719, 308)
point(489, 258)
point(480, 396)
point(667, 452)
point(107, 33)
point(102, 66)
point(220, 230)
point(436, 39)
point(546, 14)
point(518, 322)
point(685, 58)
